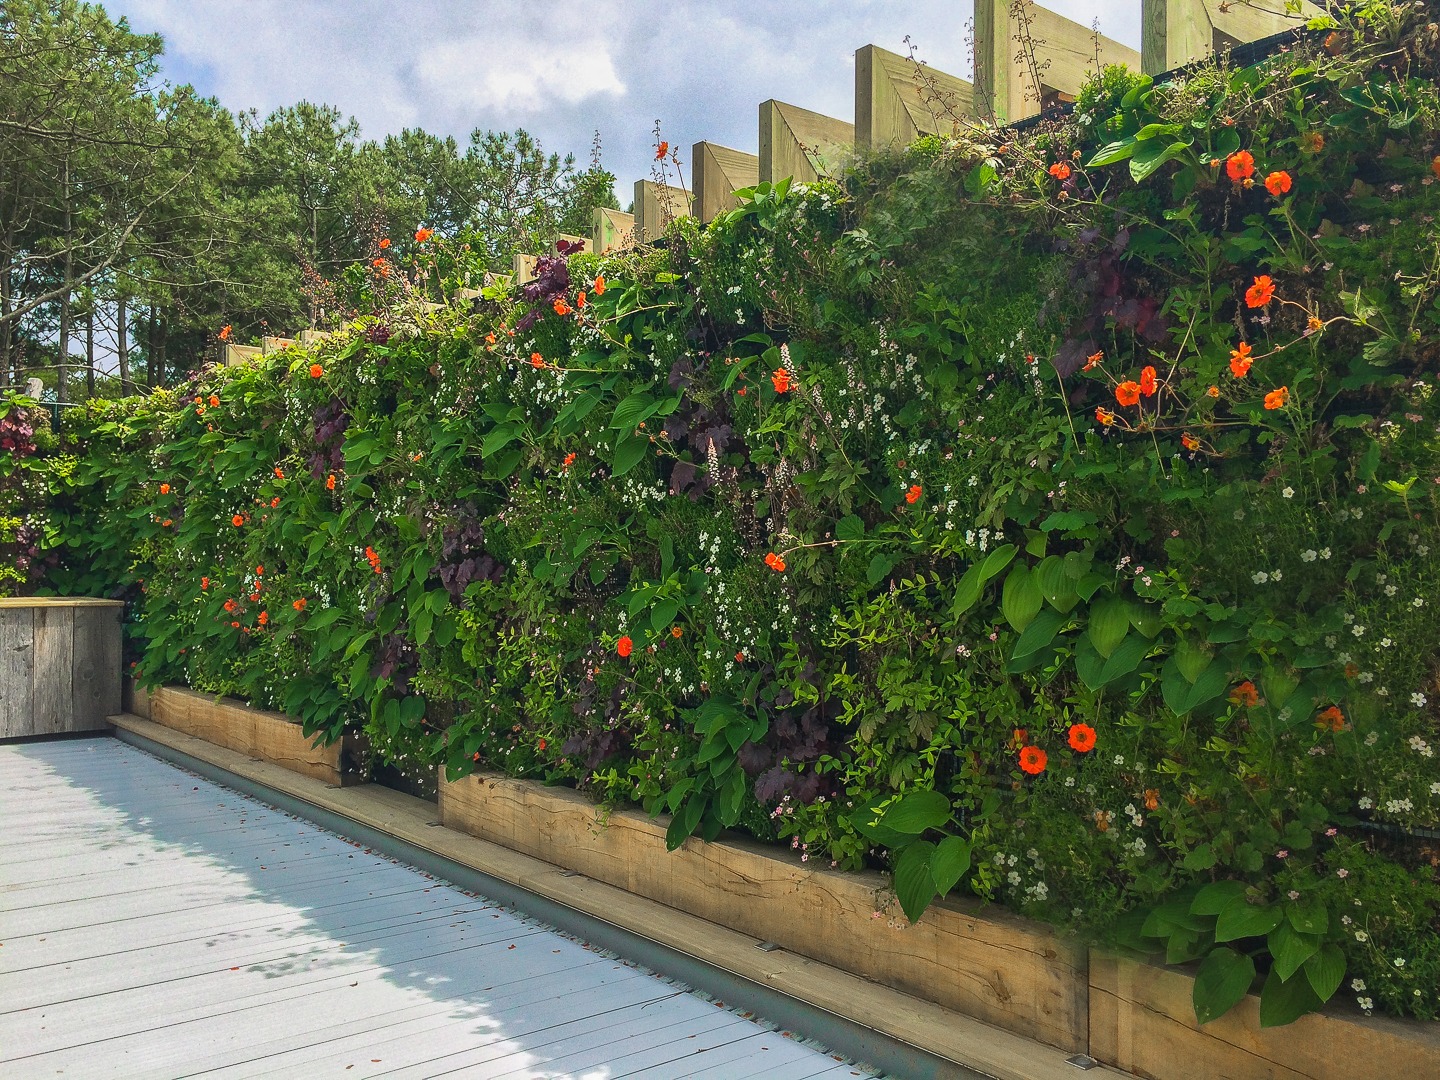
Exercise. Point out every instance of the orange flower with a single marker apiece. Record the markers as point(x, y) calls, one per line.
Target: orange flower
point(541, 745)
point(385, 243)
point(1060, 171)
point(569, 460)
point(676, 632)
point(1213, 391)
point(274, 502)
point(230, 606)
point(1259, 293)
point(739, 658)
point(377, 263)
point(224, 334)
point(781, 379)
point(1245, 694)
point(167, 523)
point(1314, 325)
point(1278, 183)
point(1152, 798)
point(775, 562)
point(164, 489)
point(204, 583)
point(580, 300)
point(490, 339)
point(1147, 381)
point(624, 646)
point(1189, 442)
point(1128, 393)
point(536, 360)
point(600, 285)
point(299, 605)
point(214, 402)
point(913, 495)
point(1102, 820)
point(1032, 760)
point(279, 473)
point(259, 571)
point(237, 521)
point(421, 235)
point(662, 150)
point(316, 371)
point(330, 482)
point(1082, 738)
point(1240, 165)
point(1331, 719)
point(1276, 399)
point(561, 307)
point(1240, 360)
point(1093, 359)
point(236, 625)
point(263, 618)
point(1435, 165)
point(1106, 418)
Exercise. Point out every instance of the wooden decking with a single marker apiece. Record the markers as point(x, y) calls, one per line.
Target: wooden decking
point(154, 924)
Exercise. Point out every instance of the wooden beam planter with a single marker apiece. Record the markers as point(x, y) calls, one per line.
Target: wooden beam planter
point(59, 664)
point(983, 962)
point(257, 733)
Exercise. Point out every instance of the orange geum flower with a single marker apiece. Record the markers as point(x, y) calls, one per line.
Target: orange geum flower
point(580, 300)
point(599, 286)
point(214, 402)
point(279, 473)
point(1093, 360)
point(237, 521)
point(262, 618)
point(624, 646)
point(1240, 360)
point(1260, 292)
point(1060, 171)
point(1147, 381)
point(167, 523)
point(739, 657)
point(1104, 417)
point(1245, 694)
point(330, 482)
point(1032, 760)
point(490, 339)
point(1276, 399)
point(1240, 165)
point(569, 460)
point(561, 307)
point(781, 380)
point(536, 360)
point(676, 632)
point(274, 502)
point(316, 371)
point(1278, 183)
point(661, 150)
point(204, 583)
point(230, 605)
point(385, 243)
point(1213, 392)
point(422, 235)
point(299, 605)
point(913, 495)
point(1128, 393)
point(164, 489)
point(224, 334)
point(1331, 719)
point(775, 562)
point(1189, 442)
point(1082, 738)
point(1152, 798)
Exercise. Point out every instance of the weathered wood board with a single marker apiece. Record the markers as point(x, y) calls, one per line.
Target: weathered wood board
point(656, 206)
point(1175, 32)
point(1065, 54)
point(1142, 1020)
point(798, 143)
point(1016, 975)
point(269, 736)
point(896, 101)
point(611, 229)
point(59, 664)
point(719, 173)
point(236, 355)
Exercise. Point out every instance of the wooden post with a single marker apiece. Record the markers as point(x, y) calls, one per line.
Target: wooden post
point(611, 229)
point(239, 354)
point(719, 173)
point(896, 102)
point(1175, 32)
point(59, 664)
point(798, 143)
point(656, 206)
point(1028, 58)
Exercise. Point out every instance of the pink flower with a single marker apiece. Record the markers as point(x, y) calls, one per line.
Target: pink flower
point(1331, 831)
point(1342, 872)
point(1282, 854)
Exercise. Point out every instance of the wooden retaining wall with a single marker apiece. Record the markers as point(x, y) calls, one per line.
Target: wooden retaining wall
point(59, 664)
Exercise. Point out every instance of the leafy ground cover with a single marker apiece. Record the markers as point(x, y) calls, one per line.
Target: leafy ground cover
point(1048, 516)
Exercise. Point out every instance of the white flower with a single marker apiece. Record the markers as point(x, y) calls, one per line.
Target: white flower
point(1308, 555)
point(1391, 590)
point(1366, 802)
point(1325, 553)
point(1435, 788)
point(1013, 878)
point(1418, 700)
point(1365, 1004)
point(1399, 961)
point(1275, 575)
point(1358, 630)
point(1119, 759)
point(1358, 985)
point(1418, 602)
point(1259, 577)
point(1288, 492)
point(1361, 936)
point(1385, 643)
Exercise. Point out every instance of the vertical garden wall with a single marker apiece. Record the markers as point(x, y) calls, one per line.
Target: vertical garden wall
point(1045, 515)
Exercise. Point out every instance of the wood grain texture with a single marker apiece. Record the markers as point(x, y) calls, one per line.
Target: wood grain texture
point(1176, 32)
point(656, 205)
point(611, 229)
point(54, 677)
point(798, 143)
point(1142, 1020)
point(719, 173)
point(257, 733)
point(95, 682)
point(896, 102)
point(17, 671)
point(1000, 969)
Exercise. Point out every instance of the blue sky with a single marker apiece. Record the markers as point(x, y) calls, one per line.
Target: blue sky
point(560, 69)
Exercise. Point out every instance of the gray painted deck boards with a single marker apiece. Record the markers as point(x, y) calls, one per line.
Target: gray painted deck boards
point(154, 924)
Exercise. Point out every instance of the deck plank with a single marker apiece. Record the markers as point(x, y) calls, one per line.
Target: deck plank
point(155, 924)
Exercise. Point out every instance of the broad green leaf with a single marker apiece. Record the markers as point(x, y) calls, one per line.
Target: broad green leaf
point(1308, 915)
point(1213, 898)
point(1283, 1002)
point(1039, 634)
point(1326, 970)
point(917, 811)
point(1241, 919)
point(914, 886)
point(1220, 984)
point(1020, 599)
point(849, 527)
point(950, 863)
point(1290, 948)
point(1056, 584)
point(1109, 623)
point(629, 451)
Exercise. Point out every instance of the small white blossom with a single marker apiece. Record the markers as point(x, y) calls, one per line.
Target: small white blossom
point(1288, 492)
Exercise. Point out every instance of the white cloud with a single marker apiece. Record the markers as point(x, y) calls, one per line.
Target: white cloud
point(499, 74)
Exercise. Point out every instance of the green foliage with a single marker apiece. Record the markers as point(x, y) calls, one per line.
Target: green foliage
point(934, 519)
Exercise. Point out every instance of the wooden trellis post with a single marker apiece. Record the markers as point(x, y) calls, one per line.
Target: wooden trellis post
point(719, 173)
point(1175, 32)
point(799, 143)
point(896, 102)
point(656, 205)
